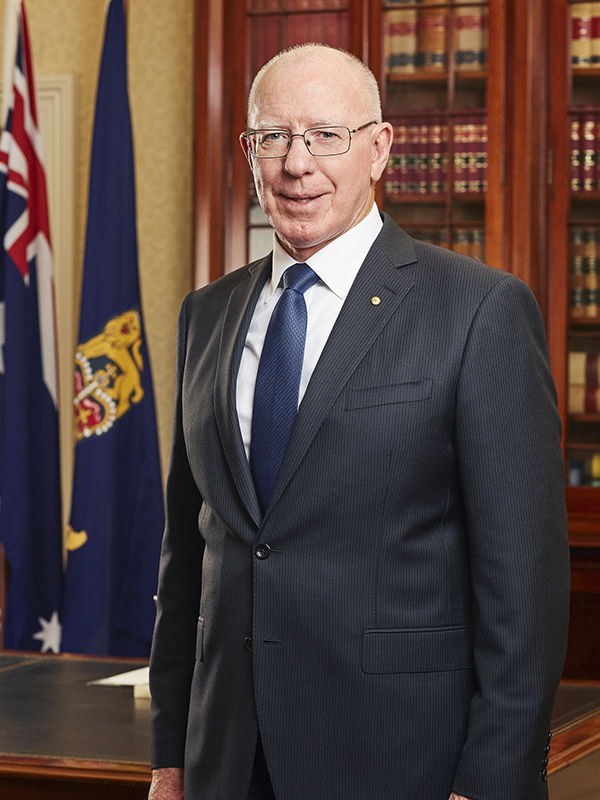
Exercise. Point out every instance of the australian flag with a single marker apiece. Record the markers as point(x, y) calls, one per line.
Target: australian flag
point(30, 506)
point(117, 512)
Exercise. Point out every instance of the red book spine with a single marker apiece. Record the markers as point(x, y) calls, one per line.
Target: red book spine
point(596, 152)
point(403, 159)
point(460, 156)
point(423, 166)
point(482, 157)
point(434, 149)
point(575, 155)
point(473, 147)
point(581, 35)
point(392, 180)
point(591, 370)
point(444, 169)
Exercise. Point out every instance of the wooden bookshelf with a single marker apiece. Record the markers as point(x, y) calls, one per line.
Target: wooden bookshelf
point(526, 92)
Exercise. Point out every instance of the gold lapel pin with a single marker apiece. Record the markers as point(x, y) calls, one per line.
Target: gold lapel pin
point(376, 300)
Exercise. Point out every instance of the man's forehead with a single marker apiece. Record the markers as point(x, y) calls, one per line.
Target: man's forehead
point(306, 93)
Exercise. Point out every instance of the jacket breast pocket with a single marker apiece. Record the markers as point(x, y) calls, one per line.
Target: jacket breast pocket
point(404, 650)
point(410, 392)
point(200, 639)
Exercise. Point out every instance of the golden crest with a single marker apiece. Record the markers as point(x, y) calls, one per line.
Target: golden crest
point(108, 375)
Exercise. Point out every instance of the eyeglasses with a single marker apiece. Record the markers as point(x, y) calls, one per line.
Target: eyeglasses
point(325, 140)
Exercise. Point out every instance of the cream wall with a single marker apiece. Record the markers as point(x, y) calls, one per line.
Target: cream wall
point(66, 38)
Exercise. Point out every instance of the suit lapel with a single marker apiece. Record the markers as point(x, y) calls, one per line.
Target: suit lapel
point(359, 323)
point(238, 315)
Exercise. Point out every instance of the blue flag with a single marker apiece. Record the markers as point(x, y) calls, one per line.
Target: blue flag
point(117, 512)
point(30, 505)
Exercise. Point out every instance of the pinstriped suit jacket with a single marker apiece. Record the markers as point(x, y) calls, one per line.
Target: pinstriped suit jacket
point(409, 620)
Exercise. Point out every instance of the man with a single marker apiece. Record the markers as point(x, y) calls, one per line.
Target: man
point(375, 607)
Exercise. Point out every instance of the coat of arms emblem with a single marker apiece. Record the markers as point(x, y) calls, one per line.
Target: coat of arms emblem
point(108, 375)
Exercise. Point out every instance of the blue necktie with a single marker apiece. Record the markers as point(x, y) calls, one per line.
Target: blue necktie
point(278, 381)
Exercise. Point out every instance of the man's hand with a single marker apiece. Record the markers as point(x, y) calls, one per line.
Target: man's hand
point(454, 796)
point(167, 784)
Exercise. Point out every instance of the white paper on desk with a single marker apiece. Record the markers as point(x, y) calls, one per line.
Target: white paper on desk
point(136, 677)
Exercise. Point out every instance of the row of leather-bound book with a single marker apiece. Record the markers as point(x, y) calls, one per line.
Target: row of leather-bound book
point(417, 39)
point(584, 270)
point(469, 241)
point(585, 152)
point(418, 162)
point(585, 35)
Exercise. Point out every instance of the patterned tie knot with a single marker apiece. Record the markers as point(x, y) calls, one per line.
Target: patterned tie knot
point(299, 277)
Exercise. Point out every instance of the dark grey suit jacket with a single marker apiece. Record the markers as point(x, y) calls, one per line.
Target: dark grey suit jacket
point(409, 622)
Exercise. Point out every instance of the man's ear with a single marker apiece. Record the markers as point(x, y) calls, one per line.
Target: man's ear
point(383, 136)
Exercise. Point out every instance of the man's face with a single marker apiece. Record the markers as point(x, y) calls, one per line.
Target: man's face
point(312, 200)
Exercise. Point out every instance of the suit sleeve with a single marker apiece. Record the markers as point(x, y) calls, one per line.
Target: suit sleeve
point(512, 477)
point(173, 646)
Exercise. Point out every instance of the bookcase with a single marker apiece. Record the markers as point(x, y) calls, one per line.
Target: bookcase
point(435, 94)
point(431, 58)
point(574, 290)
point(453, 74)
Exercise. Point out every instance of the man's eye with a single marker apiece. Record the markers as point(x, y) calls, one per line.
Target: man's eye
point(325, 135)
point(274, 136)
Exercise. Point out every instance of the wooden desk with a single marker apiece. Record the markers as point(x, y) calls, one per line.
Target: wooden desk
point(60, 738)
point(574, 767)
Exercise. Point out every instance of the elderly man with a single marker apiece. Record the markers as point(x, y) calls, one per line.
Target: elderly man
point(364, 579)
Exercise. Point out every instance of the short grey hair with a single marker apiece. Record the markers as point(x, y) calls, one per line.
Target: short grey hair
point(371, 88)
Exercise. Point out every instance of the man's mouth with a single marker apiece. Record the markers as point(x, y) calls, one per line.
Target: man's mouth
point(303, 200)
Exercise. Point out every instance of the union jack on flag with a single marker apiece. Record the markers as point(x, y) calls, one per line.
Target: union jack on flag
point(30, 507)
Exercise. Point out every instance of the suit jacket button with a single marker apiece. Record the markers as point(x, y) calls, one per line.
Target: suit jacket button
point(248, 644)
point(544, 775)
point(262, 551)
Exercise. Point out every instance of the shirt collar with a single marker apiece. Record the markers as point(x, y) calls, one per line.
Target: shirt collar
point(337, 263)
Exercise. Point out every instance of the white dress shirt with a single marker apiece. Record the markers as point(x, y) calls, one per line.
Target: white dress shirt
point(337, 265)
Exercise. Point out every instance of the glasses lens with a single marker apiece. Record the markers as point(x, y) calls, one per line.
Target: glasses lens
point(327, 141)
point(269, 143)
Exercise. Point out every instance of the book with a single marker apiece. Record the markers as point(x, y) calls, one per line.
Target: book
point(581, 35)
point(587, 148)
point(597, 153)
point(400, 41)
point(423, 158)
point(595, 35)
point(461, 241)
point(576, 280)
point(482, 157)
point(392, 170)
point(469, 38)
point(461, 156)
point(431, 39)
point(583, 381)
point(478, 243)
point(473, 136)
point(413, 148)
point(437, 157)
point(576, 173)
point(590, 275)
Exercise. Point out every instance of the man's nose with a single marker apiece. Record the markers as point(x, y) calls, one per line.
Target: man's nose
point(298, 160)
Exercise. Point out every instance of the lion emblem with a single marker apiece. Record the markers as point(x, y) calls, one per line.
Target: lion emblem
point(107, 375)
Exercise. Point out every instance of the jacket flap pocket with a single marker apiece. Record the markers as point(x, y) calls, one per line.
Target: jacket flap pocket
point(200, 639)
point(387, 395)
point(417, 650)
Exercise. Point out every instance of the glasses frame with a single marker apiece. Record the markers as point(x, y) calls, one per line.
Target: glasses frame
point(302, 136)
